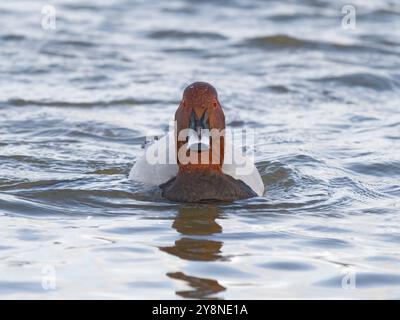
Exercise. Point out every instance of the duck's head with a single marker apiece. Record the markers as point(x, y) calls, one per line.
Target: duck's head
point(200, 124)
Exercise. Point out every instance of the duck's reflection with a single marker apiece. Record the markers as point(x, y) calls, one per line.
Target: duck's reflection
point(195, 223)
point(195, 249)
point(202, 288)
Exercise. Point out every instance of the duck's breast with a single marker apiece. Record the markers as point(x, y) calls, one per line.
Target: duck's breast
point(158, 165)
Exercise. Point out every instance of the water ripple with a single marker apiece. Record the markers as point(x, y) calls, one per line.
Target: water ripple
point(77, 103)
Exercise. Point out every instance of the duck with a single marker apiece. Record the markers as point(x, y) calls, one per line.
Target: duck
point(197, 161)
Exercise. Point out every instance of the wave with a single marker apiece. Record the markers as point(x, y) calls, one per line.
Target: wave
point(13, 37)
point(176, 34)
point(283, 41)
point(379, 169)
point(278, 41)
point(119, 102)
point(365, 80)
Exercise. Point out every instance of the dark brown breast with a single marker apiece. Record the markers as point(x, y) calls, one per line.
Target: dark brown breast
point(203, 186)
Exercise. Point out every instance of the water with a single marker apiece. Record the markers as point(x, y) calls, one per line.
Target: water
point(76, 104)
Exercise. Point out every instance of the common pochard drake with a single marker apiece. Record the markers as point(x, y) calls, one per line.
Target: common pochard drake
point(196, 161)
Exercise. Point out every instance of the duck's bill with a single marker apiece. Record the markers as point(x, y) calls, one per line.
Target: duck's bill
point(198, 143)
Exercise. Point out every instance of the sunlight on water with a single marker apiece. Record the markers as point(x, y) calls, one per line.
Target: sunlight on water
point(77, 103)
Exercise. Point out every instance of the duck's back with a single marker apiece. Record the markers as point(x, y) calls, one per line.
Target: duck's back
point(202, 186)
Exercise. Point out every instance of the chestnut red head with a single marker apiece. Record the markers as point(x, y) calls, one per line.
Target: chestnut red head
point(200, 112)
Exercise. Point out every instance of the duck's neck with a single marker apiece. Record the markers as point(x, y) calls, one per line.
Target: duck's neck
point(208, 161)
point(198, 168)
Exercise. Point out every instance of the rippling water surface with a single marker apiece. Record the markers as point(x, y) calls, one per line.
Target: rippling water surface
point(76, 104)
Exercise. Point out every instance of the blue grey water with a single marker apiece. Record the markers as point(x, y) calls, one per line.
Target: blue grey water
point(77, 102)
